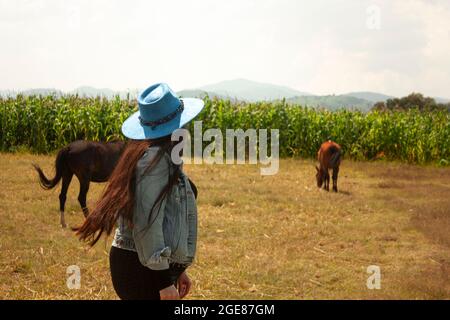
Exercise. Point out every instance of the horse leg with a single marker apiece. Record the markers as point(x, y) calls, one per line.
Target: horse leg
point(327, 181)
point(84, 188)
point(66, 179)
point(335, 177)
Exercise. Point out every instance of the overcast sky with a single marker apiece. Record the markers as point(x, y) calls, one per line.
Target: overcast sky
point(322, 46)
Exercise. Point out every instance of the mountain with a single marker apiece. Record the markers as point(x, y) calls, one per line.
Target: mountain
point(242, 89)
point(441, 100)
point(247, 90)
point(7, 93)
point(93, 92)
point(197, 93)
point(84, 91)
point(87, 91)
point(369, 96)
point(32, 92)
point(332, 102)
point(42, 92)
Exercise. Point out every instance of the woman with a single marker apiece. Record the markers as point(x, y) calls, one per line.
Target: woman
point(152, 202)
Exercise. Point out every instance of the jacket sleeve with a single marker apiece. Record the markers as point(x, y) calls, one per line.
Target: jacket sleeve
point(148, 230)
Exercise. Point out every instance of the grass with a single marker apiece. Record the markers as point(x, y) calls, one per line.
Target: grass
point(272, 237)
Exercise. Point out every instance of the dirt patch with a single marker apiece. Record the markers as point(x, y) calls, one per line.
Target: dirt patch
point(436, 280)
point(389, 185)
point(404, 172)
point(434, 221)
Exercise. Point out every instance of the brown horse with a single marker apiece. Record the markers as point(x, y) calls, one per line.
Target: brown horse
point(89, 161)
point(329, 156)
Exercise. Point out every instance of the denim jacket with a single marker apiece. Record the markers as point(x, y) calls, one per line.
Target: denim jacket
point(170, 235)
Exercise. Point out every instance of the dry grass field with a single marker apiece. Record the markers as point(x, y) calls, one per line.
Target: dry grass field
point(273, 237)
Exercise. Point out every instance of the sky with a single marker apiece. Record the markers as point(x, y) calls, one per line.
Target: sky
point(322, 47)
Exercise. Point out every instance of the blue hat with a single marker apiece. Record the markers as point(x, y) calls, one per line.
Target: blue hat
point(160, 113)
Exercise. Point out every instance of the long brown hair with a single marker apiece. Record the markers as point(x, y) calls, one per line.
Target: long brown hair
point(119, 195)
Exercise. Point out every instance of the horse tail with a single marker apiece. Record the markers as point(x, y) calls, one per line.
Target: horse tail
point(60, 164)
point(335, 158)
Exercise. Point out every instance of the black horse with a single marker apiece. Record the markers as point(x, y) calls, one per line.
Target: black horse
point(89, 161)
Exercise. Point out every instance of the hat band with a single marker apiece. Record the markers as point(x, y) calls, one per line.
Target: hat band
point(163, 120)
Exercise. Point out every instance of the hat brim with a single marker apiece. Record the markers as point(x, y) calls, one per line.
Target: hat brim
point(133, 129)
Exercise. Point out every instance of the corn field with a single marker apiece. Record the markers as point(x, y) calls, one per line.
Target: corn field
point(42, 124)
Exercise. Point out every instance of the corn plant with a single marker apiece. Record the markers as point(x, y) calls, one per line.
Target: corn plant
point(43, 124)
